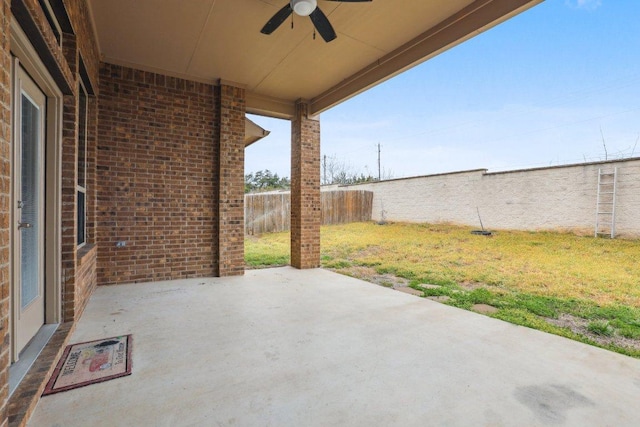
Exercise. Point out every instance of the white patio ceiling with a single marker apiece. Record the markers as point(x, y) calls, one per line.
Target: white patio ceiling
point(214, 40)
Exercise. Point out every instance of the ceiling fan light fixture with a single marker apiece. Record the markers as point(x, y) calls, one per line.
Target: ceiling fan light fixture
point(304, 7)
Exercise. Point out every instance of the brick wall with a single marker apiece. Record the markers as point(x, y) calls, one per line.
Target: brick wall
point(231, 184)
point(92, 164)
point(555, 198)
point(5, 203)
point(69, 180)
point(86, 278)
point(87, 44)
point(156, 177)
point(305, 189)
point(36, 14)
point(78, 272)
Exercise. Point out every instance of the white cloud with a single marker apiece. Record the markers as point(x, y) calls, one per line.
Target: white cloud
point(584, 4)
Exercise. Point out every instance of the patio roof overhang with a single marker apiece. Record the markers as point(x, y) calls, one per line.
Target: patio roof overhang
point(253, 132)
point(214, 40)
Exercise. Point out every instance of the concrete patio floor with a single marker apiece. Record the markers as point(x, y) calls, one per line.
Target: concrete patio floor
point(284, 347)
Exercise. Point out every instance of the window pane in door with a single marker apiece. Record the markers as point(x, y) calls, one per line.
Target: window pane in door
point(29, 213)
point(82, 218)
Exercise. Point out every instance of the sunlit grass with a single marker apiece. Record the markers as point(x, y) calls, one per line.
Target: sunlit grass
point(269, 250)
point(548, 264)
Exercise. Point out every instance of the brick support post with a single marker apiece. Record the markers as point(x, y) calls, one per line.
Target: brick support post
point(92, 164)
point(231, 181)
point(305, 189)
point(5, 202)
point(69, 181)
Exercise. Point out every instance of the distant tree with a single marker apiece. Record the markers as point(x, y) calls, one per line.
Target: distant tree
point(336, 171)
point(265, 180)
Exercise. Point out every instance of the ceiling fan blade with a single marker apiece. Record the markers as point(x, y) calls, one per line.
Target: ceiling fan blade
point(322, 24)
point(277, 19)
point(350, 1)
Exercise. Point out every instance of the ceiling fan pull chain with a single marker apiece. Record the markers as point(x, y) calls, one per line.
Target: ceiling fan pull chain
point(292, 21)
point(314, 33)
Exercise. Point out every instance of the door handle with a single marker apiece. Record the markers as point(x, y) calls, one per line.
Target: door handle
point(23, 225)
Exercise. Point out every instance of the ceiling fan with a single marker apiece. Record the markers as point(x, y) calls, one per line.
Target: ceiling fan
point(305, 8)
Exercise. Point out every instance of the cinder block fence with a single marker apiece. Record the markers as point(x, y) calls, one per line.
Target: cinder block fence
point(552, 198)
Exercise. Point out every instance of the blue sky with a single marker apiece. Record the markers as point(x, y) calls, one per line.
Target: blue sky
point(540, 89)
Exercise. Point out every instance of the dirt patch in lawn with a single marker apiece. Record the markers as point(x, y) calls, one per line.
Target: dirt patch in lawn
point(369, 274)
point(581, 326)
point(471, 286)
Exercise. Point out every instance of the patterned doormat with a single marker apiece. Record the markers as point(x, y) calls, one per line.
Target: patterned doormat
point(91, 362)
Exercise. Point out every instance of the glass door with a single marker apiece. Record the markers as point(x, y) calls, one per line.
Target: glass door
point(28, 265)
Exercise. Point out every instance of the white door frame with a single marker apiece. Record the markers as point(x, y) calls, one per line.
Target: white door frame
point(22, 49)
point(28, 317)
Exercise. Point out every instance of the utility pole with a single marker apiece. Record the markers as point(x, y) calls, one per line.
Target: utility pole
point(379, 173)
point(325, 169)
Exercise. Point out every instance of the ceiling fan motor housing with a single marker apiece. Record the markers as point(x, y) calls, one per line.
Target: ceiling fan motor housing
point(304, 7)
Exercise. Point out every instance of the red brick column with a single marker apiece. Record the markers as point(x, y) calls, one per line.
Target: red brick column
point(92, 164)
point(231, 181)
point(5, 203)
point(69, 206)
point(305, 189)
point(69, 180)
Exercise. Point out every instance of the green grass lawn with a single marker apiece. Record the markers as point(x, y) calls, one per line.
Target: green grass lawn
point(580, 287)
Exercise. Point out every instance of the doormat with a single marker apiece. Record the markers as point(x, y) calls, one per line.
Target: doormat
point(91, 362)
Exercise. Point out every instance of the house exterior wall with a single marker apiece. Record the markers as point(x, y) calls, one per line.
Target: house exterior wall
point(157, 177)
point(559, 198)
point(154, 178)
point(69, 181)
point(230, 203)
point(154, 173)
point(77, 266)
point(5, 202)
point(86, 278)
point(87, 44)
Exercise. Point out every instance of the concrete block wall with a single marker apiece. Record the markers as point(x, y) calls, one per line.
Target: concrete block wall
point(561, 198)
point(628, 199)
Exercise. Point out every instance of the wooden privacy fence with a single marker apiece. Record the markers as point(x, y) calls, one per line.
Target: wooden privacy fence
point(265, 213)
point(271, 212)
point(342, 207)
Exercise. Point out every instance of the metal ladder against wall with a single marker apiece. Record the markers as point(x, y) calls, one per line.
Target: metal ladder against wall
point(606, 203)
